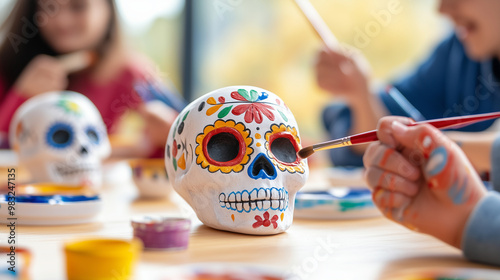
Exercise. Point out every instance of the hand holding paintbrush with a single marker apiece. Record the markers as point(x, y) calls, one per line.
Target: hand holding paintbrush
point(422, 180)
point(339, 69)
point(371, 136)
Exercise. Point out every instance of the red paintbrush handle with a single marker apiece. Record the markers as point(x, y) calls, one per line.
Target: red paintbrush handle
point(453, 122)
point(461, 121)
point(365, 137)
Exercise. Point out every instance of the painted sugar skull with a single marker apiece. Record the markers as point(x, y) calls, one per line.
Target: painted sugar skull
point(60, 137)
point(231, 154)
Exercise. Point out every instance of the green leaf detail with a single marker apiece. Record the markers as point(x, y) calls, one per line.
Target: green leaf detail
point(224, 112)
point(244, 93)
point(175, 164)
point(283, 116)
point(176, 125)
point(185, 116)
point(254, 95)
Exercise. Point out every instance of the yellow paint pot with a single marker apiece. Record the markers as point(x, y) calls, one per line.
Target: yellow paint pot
point(101, 259)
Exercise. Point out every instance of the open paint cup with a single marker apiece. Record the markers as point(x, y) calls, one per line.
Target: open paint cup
point(151, 178)
point(162, 233)
point(17, 263)
point(101, 259)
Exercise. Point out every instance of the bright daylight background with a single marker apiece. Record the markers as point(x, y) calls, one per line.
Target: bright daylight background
point(268, 43)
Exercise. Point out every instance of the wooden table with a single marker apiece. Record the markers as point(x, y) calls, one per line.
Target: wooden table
point(357, 249)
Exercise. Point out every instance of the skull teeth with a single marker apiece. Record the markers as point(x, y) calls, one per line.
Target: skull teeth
point(258, 199)
point(246, 206)
point(67, 170)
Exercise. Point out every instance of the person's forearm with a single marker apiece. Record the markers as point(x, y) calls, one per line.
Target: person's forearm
point(476, 146)
point(481, 242)
point(365, 116)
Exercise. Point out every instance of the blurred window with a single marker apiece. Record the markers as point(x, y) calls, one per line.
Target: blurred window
point(271, 45)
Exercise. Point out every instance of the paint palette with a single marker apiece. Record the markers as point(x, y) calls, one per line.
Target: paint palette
point(50, 209)
point(335, 203)
point(345, 176)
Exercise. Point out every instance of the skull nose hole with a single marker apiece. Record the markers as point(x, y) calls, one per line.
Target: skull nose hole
point(84, 151)
point(262, 168)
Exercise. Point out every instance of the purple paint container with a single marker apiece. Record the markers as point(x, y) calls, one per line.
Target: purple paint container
point(162, 233)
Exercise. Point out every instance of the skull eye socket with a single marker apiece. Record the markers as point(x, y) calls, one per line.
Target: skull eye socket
point(284, 148)
point(282, 144)
point(60, 135)
point(224, 147)
point(93, 135)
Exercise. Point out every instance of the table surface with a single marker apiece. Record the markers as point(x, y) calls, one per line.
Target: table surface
point(372, 248)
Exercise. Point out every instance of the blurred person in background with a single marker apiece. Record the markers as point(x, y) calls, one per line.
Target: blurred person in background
point(55, 45)
point(460, 77)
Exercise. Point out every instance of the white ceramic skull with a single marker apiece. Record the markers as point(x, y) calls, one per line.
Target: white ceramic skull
point(60, 137)
point(231, 154)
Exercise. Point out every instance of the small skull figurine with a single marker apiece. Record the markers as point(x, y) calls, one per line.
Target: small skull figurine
point(60, 137)
point(231, 154)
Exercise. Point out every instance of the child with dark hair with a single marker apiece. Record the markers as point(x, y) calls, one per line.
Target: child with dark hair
point(55, 45)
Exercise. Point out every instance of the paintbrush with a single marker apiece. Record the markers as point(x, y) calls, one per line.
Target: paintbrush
point(77, 61)
point(318, 24)
point(150, 89)
point(371, 136)
point(399, 98)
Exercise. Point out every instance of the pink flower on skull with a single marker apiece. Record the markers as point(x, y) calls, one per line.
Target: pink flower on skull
point(265, 222)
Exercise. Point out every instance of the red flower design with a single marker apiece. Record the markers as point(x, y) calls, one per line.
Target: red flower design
point(253, 111)
point(265, 222)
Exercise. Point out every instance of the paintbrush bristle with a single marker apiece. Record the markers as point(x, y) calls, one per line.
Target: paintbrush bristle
point(306, 152)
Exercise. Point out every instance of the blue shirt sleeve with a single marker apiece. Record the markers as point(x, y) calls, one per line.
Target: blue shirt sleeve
point(425, 84)
point(481, 238)
point(449, 84)
point(495, 164)
point(425, 87)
